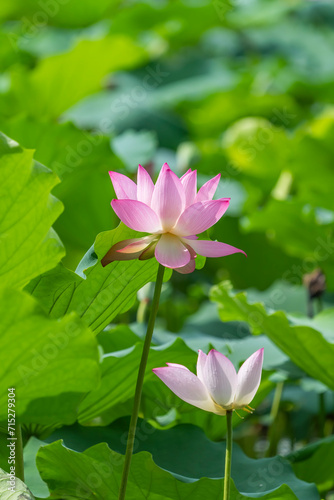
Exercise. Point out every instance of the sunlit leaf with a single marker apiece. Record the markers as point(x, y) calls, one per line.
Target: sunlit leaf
point(100, 293)
point(42, 357)
point(28, 244)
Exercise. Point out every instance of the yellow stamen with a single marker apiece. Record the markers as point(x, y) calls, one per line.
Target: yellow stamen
point(239, 415)
point(247, 410)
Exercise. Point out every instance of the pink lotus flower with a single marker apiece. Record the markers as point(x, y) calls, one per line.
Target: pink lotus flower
point(217, 386)
point(173, 213)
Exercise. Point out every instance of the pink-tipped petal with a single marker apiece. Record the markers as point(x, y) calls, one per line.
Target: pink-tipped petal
point(188, 268)
point(186, 386)
point(177, 366)
point(137, 245)
point(187, 173)
point(220, 378)
point(124, 187)
point(201, 361)
point(207, 191)
point(115, 252)
point(164, 167)
point(189, 183)
point(168, 198)
point(249, 378)
point(136, 215)
point(200, 216)
point(170, 251)
point(211, 248)
point(145, 186)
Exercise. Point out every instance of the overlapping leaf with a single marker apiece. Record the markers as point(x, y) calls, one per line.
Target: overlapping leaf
point(71, 475)
point(103, 292)
point(28, 247)
point(81, 160)
point(42, 357)
point(305, 346)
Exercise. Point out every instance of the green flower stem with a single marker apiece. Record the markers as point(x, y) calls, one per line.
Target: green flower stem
point(19, 470)
point(228, 456)
point(140, 381)
point(322, 414)
point(274, 430)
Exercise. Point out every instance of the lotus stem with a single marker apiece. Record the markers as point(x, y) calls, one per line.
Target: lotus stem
point(228, 456)
point(140, 381)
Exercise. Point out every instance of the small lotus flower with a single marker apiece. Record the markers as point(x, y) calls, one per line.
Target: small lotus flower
point(173, 213)
point(217, 386)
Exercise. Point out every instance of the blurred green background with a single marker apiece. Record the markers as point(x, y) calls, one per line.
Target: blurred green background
point(243, 88)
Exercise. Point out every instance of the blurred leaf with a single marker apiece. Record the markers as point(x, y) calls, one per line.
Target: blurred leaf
point(29, 246)
point(312, 151)
point(314, 464)
point(294, 227)
point(253, 271)
point(281, 296)
point(257, 147)
point(32, 477)
point(63, 13)
point(259, 13)
point(133, 146)
point(207, 119)
point(42, 94)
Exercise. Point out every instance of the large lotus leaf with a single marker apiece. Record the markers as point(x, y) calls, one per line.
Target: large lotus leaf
point(98, 294)
point(174, 450)
point(28, 244)
point(42, 357)
point(71, 475)
point(305, 346)
point(82, 161)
